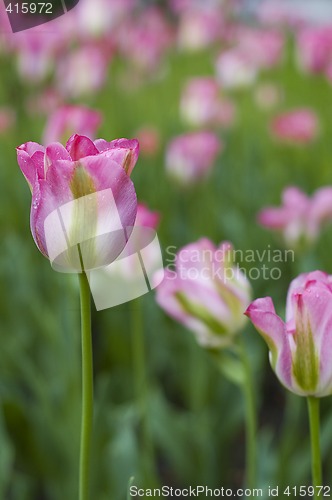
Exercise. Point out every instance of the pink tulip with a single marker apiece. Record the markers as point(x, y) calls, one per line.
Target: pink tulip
point(299, 219)
point(67, 119)
point(199, 28)
point(77, 182)
point(146, 218)
point(202, 105)
point(300, 346)
point(190, 157)
point(264, 47)
point(314, 46)
point(206, 292)
point(82, 71)
point(236, 69)
point(300, 126)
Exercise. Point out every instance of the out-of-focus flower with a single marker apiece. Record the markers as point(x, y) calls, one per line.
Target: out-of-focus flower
point(264, 47)
point(77, 183)
point(300, 126)
point(267, 96)
point(235, 69)
point(206, 292)
point(82, 71)
point(199, 28)
point(201, 104)
point(69, 119)
point(46, 102)
point(7, 119)
point(314, 48)
point(149, 140)
point(144, 39)
point(299, 219)
point(190, 157)
point(300, 346)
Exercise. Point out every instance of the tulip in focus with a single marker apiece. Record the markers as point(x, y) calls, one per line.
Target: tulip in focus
point(190, 157)
point(206, 292)
point(296, 127)
point(69, 119)
point(83, 200)
point(300, 346)
point(300, 218)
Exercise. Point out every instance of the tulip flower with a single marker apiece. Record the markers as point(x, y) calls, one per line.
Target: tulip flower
point(300, 346)
point(82, 176)
point(66, 120)
point(190, 157)
point(77, 180)
point(206, 293)
point(202, 105)
point(298, 127)
point(300, 218)
point(236, 69)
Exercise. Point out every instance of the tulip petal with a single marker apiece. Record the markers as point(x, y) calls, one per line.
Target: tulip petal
point(123, 151)
point(30, 157)
point(79, 146)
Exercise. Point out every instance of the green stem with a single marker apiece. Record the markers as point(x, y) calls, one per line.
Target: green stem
point(316, 467)
point(139, 364)
point(87, 388)
point(251, 421)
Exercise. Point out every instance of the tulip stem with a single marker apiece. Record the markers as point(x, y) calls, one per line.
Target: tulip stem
point(139, 365)
point(251, 421)
point(87, 388)
point(316, 466)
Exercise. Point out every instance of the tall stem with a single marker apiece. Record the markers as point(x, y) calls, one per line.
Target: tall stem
point(87, 388)
point(139, 364)
point(316, 467)
point(251, 420)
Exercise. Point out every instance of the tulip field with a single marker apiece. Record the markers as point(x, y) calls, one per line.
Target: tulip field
point(166, 270)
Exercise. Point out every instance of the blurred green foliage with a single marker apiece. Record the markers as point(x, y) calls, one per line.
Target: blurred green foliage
point(196, 416)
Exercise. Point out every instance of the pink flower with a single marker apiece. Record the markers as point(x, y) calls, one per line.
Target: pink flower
point(300, 126)
point(314, 46)
point(199, 28)
point(77, 182)
point(264, 47)
point(67, 119)
point(236, 69)
point(206, 292)
point(299, 219)
point(201, 104)
point(190, 157)
point(82, 71)
point(146, 218)
point(149, 140)
point(300, 347)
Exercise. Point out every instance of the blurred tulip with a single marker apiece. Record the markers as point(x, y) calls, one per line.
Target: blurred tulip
point(190, 157)
point(300, 126)
point(202, 105)
point(206, 293)
point(82, 71)
point(300, 346)
point(314, 47)
point(267, 96)
point(199, 28)
point(300, 218)
point(149, 140)
point(264, 47)
point(69, 119)
point(235, 69)
point(88, 185)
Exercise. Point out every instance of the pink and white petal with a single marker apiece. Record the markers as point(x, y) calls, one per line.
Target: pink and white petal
point(79, 146)
point(297, 285)
point(55, 152)
point(30, 160)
